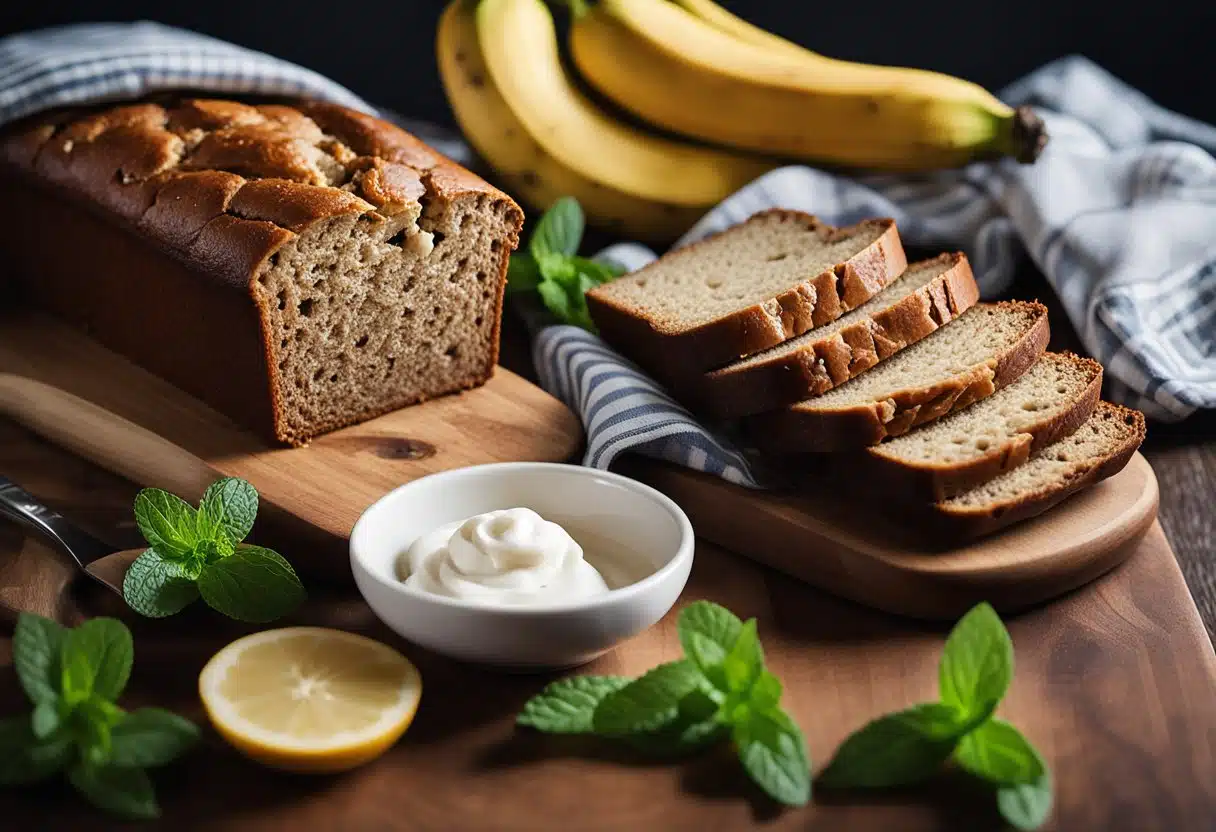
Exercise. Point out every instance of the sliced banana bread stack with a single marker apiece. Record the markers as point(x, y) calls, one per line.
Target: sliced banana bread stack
point(821, 339)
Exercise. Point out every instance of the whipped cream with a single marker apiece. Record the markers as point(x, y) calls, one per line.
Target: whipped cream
point(509, 557)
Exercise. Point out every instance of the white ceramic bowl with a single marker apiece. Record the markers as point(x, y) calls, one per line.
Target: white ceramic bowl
point(639, 539)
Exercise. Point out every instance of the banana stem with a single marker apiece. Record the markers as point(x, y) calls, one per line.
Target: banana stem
point(1027, 136)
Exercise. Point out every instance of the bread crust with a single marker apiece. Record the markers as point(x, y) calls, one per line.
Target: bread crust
point(116, 218)
point(791, 429)
point(821, 364)
point(926, 481)
point(961, 523)
point(675, 358)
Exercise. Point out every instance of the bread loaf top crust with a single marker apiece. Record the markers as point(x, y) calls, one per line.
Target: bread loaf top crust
point(224, 185)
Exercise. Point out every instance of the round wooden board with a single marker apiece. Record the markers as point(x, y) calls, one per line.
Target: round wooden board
point(869, 559)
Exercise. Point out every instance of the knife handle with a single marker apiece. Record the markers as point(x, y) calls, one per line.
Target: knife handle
point(102, 437)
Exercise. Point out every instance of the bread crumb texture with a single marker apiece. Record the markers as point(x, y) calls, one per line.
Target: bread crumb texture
point(917, 277)
point(976, 338)
point(749, 264)
point(1049, 389)
point(1107, 433)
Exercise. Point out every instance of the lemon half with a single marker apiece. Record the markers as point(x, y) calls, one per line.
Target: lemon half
point(310, 698)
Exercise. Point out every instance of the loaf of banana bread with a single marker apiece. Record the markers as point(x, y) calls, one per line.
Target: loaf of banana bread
point(298, 267)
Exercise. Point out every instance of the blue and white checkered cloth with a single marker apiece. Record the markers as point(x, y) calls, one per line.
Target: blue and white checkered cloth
point(1119, 213)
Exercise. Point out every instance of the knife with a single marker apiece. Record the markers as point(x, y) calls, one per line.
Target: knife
point(94, 558)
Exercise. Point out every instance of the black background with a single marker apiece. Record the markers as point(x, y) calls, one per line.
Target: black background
point(384, 50)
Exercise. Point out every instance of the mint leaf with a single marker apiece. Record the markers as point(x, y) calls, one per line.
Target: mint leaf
point(766, 692)
point(36, 647)
point(45, 719)
point(977, 662)
point(118, 789)
point(208, 551)
point(997, 752)
point(597, 271)
point(167, 522)
point(25, 759)
point(228, 509)
point(92, 724)
point(897, 749)
point(559, 231)
point(745, 661)
point(773, 752)
point(1026, 805)
point(77, 672)
point(156, 587)
point(559, 269)
point(567, 705)
point(150, 737)
point(107, 644)
point(679, 738)
point(707, 633)
point(648, 702)
point(523, 274)
point(554, 296)
point(252, 584)
point(694, 727)
point(580, 315)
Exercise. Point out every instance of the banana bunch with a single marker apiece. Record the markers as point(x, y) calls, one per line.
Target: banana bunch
point(520, 110)
point(693, 68)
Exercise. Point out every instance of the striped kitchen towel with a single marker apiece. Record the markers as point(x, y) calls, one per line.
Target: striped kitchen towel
point(96, 62)
point(1119, 213)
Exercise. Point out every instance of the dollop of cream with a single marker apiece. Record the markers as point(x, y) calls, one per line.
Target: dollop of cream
point(509, 557)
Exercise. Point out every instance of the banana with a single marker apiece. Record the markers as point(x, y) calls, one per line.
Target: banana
point(678, 71)
point(740, 29)
point(523, 165)
point(513, 99)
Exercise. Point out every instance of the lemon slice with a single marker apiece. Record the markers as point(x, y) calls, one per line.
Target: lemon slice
point(310, 698)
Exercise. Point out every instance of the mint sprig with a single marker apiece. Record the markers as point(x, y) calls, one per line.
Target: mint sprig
point(911, 745)
point(720, 689)
point(200, 552)
point(73, 677)
point(552, 268)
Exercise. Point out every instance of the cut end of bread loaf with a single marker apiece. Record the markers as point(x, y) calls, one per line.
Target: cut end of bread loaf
point(994, 435)
point(985, 349)
point(927, 296)
point(367, 313)
point(1098, 449)
point(745, 289)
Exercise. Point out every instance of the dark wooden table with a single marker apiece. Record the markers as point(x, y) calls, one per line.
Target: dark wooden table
point(1184, 458)
point(1114, 683)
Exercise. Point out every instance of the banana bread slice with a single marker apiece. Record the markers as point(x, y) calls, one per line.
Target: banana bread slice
point(928, 295)
point(984, 349)
point(1098, 449)
point(299, 268)
point(971, 446)
point(743, 290)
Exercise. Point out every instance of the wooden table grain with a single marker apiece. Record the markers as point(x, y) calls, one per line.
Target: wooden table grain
point(1184, 459)
point(1115, 686)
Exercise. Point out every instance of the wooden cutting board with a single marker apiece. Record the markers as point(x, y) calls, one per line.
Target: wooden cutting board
point(862, 554)
point(312, 496)
point(1114, 683)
